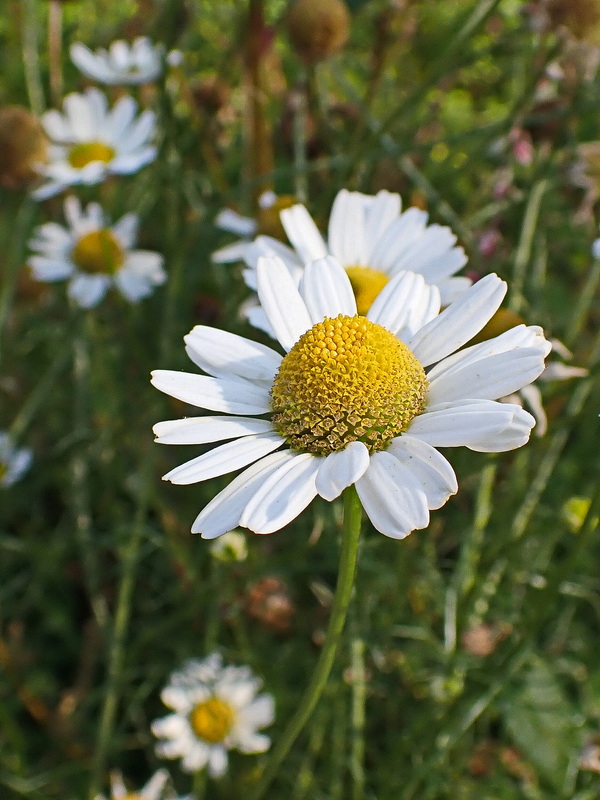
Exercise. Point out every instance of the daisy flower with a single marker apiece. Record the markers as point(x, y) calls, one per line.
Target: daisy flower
point(92, 256)
point(153, 790)
point(14, 461)
point(351, 401)
point(90, 142)
point(216, 709)
point(122, 64)
point(371, 239)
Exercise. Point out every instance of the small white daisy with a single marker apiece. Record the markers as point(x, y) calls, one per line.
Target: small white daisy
point(153, 790)
point(90, 142)
point(216, 709)
point(123, 64)
point(371, 239)
point(92, 256)
point(14, 461)
point(350, 402)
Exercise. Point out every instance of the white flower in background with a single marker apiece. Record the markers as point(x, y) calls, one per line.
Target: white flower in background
point(123, 64)
point(372, 240)
point(14, 461)
point(90, 142)
point(216, 709)
point(153, 790)
point(350, 402)
point(267, 221)
point(93, 256)
point(230, 548)
point(531, 396)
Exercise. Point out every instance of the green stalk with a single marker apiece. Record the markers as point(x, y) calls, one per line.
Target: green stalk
point(341, 601)
point(359, 696)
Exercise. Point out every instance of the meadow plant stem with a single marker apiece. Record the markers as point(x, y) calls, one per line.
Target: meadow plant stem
point(343, 593)
point(199, 785)
point(300, 156)
point(524, 248)
point(31, 58)
point(13, 261)
point(359, 695)
point(80, 483)
point(55, 50)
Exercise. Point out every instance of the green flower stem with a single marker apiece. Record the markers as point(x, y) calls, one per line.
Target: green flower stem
point(359, 695)
point(31, 59)
point(341, 601)
point(525, 246)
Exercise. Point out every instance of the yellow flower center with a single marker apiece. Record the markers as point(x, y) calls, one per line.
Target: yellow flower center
point(132, 797)
point(345, 380)
point(80, 155)
point(366, 284)
point(212, 720)
point(98, 251)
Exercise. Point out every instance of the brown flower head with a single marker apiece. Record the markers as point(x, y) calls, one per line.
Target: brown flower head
point(318, 28)
point(22, 146)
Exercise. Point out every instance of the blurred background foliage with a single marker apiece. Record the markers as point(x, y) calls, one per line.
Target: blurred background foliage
point(469, 667)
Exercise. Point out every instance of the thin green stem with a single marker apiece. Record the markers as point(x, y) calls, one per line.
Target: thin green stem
point(13, 262)
point(31, 58)
point(341, 601)
point(523, 254)
point(359, 695)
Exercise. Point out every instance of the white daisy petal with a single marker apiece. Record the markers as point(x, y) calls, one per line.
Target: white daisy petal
point(379, 215)
point(346, 235)
point(267, 246)
point(476, 424)
point(405, 302)
point(214, 394)
point(281, 300)
point(283, 495)
point(488, 379)
point(229, 220)
point(88, 290)
point(429, 467)
point(326, 290)
point(217, 762)
point(533, 399)
point(303, 233)
point(202, 430)
point(459, 322)
point(225, 458)
point(342, 469)
point(223, 512)
point(221, 353)
point(392, 498)
point(155, 785)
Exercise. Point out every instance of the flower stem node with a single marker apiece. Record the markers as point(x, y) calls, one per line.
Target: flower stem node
point(347, 379)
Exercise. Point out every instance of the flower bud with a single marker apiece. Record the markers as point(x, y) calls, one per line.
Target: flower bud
point(23, 145)
point(318, 28)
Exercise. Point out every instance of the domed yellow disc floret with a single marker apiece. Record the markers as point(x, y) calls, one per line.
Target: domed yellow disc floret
point(212, 720)
point(346, 379)
point(366, 284)
point(98, 251)
point(80, 155)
